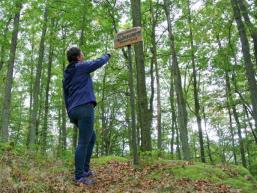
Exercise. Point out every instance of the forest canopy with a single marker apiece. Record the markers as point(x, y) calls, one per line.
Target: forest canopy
point(191, 84)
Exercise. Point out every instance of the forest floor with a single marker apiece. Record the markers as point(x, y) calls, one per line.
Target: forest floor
point(26, 172)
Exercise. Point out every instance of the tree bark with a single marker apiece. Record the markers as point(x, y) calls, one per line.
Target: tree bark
point(154, 16)
point(143, 111)
point(172, 105)
point(251, 27)
point(128, 109)
point(18, 132)
point(31, 83)
point(221, 145)
point(3, 46)
point(132, 108)
point(178, 151)
point(207, 137)
point(33, 120)
point(235, 114)
point(182, 112)
point(250, 72)
point(9, 80)
point(196, 91)
point(49, 74)
point(250, 124)
point(229, 102)
point(234, 81)
point(64, 126)
point(63, 113)
point(247, 143)
point(231, 131)
point(74, 137)
point(59, 131)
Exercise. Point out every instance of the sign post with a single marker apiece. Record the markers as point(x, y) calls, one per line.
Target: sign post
point(126, 38)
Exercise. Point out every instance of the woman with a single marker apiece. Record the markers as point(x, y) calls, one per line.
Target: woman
point(80, 102)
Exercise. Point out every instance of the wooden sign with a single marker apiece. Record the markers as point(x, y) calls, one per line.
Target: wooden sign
point(128, 37)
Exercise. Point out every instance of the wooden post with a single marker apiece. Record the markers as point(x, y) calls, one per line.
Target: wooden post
point(132, 105)
point(127, 38)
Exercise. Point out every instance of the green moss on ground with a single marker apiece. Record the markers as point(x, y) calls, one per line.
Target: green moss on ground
point(235, 176)
point(23, 171)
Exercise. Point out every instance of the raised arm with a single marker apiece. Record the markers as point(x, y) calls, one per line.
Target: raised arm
point(91, 66)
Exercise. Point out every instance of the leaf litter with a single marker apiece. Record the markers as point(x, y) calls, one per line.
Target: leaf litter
point(19, 174)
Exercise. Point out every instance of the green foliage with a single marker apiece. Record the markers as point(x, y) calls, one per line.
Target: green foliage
point(27, 171)
point(103, 160)
point(235, 176)
point(92, 26)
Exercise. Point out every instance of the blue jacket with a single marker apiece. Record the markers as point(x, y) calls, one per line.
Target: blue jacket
point(77, 82)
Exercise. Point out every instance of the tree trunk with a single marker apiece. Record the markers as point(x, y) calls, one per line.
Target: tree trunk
point(231, 104)
point(18, 132)
point(235, 114)
point(250, 124)
point(221, 145)
point(250, 72)
point(194, 147)
point(131, 103)
point(49, 73)
point(103, 117)
point(234, 81)
point(34, 114)
point(63, 112)
point(128, 109)
point(64, 126)
point(207, 138)
point(152, 89)
point(108, 142)
point(239, 132)
point(74, 137)
point(177, 142)
point(40, 113)
point(231, 131)
point(196, 91)
point(59, 131)
point(229, 98)
point(9, 80)
point(132, 108)
point(182, 112)
point(143, 112)
point(251, 27)
point(31, 84)
point(154, 16)
point(172, 105)
point(247, 142)
point(3, 46)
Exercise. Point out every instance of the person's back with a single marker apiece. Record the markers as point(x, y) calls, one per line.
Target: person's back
point(80, 102)
point(77, 82)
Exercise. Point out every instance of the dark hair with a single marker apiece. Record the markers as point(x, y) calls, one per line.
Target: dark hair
point(73, 53)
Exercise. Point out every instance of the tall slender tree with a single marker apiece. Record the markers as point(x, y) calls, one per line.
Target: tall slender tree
point(9, 77)
point(154, 16)
point(36, 91)
point(182, 112)
point(250, 72)
point(252, 29)
point(49, 74)
point(4, 43)
point(196, 90)
point(143, 111)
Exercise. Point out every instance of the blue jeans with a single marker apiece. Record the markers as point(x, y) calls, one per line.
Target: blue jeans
point(83, 117)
